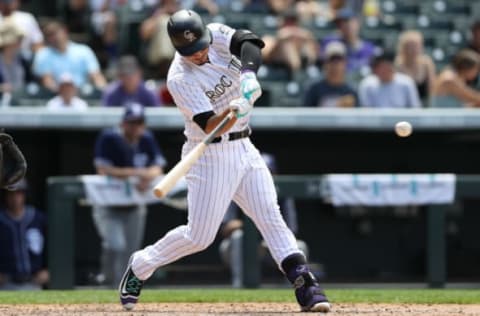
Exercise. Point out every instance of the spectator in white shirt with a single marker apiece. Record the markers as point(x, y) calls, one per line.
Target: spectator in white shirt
point(386, 88)
point(33, 37)
point(67, 98)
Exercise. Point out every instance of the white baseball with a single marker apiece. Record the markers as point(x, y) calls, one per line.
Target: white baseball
point(403, 129)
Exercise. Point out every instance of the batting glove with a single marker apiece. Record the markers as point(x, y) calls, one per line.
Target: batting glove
point(241, 106)
point(249, 86)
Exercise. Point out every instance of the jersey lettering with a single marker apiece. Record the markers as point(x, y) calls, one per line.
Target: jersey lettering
point(219, 89)
point(235, 64)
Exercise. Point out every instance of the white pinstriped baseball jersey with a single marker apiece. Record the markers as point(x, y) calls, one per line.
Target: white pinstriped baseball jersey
point(209, 87)
point(229, 170)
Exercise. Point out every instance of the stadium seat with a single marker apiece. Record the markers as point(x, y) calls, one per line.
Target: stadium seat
point(445, 8)
point(284, 94)
point(273, 73)
point(263, 24)
point(129, 20)
point(387, 22)
point(236, 20)
point(400, 8)
point(32, 95)
point(433, 24)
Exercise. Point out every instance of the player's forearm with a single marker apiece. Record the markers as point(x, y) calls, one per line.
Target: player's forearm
point(152, 172)
point(49, 83)
point(98, 80)
point(214, 120)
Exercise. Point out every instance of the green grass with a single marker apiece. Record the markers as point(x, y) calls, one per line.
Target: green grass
point(230, 295)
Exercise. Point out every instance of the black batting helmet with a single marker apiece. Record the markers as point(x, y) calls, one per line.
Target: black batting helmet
point(187, 32)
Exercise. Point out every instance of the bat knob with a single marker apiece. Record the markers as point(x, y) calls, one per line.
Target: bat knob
point(159, 193)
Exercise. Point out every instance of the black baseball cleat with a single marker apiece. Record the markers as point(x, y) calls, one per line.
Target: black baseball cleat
point(130, 288)
point(310, 296)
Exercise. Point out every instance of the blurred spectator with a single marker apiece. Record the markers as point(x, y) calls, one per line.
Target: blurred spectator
point(386, 88)
point(450, 87)
point(22, 243)
point(369, 8)
point(64, 56)
point(129, 150)
point(293, 46)
point(231, 251)
point(359, 51)
point(280, 7)
point(129, 88)
point(14, 69)
point(209, 6)
point(104, 23)
point(337, 4)
point(153, 30)
point(412, 61)
point(474, 43)
point(67, 98)
point(76, 14)
point(332, 91)
point(33, 37)
point(359, 7)
point(309, 10)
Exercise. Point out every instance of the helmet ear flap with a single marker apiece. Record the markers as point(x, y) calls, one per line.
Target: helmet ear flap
point(187, 32)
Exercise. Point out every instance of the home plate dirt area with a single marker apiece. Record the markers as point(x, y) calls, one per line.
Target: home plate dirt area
point(238, 309)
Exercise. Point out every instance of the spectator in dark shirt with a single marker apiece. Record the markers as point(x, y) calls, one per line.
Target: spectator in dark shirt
point(126, 151)
point(332, 91)
point(359, 51)
point(22, 241)
point(129, 88)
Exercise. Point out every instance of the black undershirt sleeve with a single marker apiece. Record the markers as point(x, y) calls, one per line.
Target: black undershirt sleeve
point(202, 118)
point(251, 56)
point(247, 46)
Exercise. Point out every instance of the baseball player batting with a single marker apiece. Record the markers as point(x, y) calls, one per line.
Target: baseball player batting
point(212, 75)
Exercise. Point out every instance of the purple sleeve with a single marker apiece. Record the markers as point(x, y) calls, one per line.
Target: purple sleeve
point(108, 96)
point(105, 98)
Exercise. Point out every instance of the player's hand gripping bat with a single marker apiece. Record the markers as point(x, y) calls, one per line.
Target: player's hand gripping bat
point(181, 168)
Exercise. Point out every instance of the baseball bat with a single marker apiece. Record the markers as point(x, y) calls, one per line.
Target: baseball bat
point(181, 168)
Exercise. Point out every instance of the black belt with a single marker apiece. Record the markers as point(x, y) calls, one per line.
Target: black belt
point(234, 135)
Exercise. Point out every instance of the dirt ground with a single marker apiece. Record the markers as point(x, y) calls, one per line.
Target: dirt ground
point(237, 309)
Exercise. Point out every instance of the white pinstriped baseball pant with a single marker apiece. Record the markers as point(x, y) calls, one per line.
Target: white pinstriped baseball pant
point(228, 170)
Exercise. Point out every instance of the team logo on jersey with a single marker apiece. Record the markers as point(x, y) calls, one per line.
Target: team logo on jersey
point(35, 240)
point(219, 89)
point(189, 36)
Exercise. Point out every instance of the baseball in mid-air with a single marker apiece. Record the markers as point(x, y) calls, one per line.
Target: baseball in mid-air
point(403, 129)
